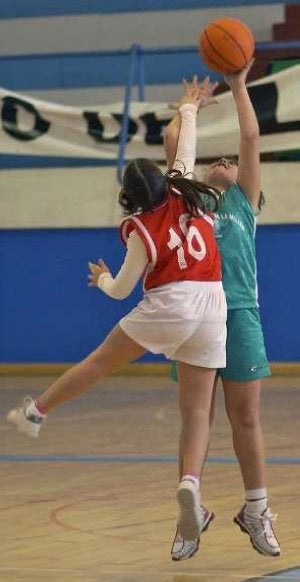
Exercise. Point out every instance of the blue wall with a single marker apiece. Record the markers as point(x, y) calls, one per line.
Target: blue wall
point(161, 66)
point(48, 314)
point(99, 69)
point(279, 283)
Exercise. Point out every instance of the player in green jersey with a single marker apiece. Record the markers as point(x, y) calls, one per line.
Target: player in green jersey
point(245, 350)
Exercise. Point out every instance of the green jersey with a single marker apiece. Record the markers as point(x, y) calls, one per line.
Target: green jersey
point(235, 228)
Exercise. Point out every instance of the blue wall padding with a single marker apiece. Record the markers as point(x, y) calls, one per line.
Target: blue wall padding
point(48, 314)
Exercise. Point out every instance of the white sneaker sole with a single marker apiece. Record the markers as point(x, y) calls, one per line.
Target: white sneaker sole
point(22, 424)
point(189, 525)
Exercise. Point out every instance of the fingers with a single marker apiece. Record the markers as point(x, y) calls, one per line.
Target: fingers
point(92, 280)
point(94, 274)
point(94, 266)
point(95, 271)
point(206, 81)
point(199, 93)
point(196, 85)
point(195, 81)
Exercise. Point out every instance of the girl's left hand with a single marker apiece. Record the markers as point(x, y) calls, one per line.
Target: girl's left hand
point(95, 271)
point(198, 93)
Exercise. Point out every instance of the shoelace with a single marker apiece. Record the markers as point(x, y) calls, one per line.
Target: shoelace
point(265, 521)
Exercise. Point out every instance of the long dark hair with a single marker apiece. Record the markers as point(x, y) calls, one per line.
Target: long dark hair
point(145, 186)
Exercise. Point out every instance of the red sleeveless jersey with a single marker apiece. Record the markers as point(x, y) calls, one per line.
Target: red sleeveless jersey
point(180, 247)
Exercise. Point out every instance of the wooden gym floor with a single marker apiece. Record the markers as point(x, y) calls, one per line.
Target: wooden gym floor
point(93, 499)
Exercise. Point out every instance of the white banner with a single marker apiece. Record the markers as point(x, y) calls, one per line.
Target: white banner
point(88, 197)
point(31, 127)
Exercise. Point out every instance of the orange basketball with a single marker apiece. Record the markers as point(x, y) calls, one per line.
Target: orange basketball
point(226, 45)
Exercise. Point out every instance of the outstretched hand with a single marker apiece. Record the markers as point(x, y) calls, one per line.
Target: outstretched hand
point(199, 94)
point(238, 79)
point(96, 269)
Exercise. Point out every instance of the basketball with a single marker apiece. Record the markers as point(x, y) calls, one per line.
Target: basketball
point(226, 45)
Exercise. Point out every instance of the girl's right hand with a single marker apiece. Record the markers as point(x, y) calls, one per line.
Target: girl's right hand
point(237, 80)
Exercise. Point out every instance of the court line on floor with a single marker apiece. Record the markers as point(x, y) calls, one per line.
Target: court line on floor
point(150, 459)
point(162, 577)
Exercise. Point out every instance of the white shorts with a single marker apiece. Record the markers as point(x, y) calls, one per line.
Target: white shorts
point(185, 321)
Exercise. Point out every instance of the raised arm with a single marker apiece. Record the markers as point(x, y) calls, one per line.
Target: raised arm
point(186, 146)
point(249, 159)
point(199, 94)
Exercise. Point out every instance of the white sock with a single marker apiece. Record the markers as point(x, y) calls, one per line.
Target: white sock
point(192, 478)
point(256, 500)
point(34, 410)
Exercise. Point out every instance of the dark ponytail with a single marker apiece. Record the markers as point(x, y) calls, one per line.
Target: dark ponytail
point(198, 196)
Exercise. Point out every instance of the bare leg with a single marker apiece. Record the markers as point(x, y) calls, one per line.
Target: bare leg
point(195, 394)
point(196, 387)
point(242, 400)
point(115, 351)
point(211, 418)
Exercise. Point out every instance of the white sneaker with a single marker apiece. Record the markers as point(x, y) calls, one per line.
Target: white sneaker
point(183, 549)
point(190, 522)
point(259, 528)
point(26, 419)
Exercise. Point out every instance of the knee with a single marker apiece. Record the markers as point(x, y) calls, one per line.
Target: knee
point(246, 418)
point(96, 356)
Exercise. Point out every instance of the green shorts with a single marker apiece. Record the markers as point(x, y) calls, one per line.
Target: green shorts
point(246, 357)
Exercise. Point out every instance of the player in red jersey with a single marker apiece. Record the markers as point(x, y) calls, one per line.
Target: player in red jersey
point(190, 236)
point(169, 238)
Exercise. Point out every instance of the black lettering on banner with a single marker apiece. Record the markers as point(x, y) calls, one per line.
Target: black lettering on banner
point(265, 101)
point(153, 128)
point(9, 116)
point(96, 128)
